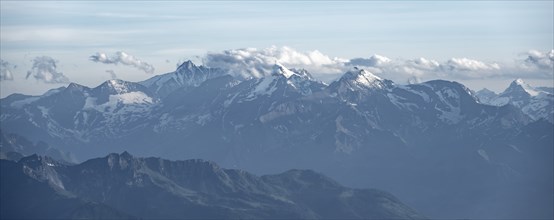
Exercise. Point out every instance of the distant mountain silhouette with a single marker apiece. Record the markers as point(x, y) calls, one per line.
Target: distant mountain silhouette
point(124, 186)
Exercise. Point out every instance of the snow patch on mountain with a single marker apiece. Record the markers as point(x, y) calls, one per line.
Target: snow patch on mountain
point(265, 86)
point(118, 85)
point(515, 148)
point(203, 119)
point(282, 110)
point(401, 102)
point(451, 116)
point(43, 111)
point(341, 143)
point(163, 122)
point(23, 102)
point(452, 112)
point(132, 98)
point(367, 79)
point(90, 103)
point(483, 154)
point(279, 69)
point(411, 88)
point(500, 101)
point(125, 102)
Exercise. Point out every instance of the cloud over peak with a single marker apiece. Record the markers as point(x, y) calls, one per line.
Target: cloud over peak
point(252, 62)
point(414, 70)
point(123, 58)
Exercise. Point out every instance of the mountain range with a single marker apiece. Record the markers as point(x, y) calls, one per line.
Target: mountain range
point(536, 102)
point(440, 147)
point(121, 186)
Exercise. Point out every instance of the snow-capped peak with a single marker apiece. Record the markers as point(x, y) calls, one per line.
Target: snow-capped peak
point(269, 84)
point(279, 69)
point(302, 73)
point(118, 85)
point(363, 78)
point(367, 77)
point(520, 85)
point(119, 96)
point(519, 81)
point(359, 80)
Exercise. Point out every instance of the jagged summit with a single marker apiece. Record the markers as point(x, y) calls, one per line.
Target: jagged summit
point(359, 80)
point(363, 78)
point(485, 95)
point(74, 86)
point(117, 87)
point(518, 86)
point(519, 81)
point(302, 73)
point(74, 89)
point(186, 75)
point(36, 160)
point(187, 65)
point(486, 91)
point(279, 69)
point(125, 154)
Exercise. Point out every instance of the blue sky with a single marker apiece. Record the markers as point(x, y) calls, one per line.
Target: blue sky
point(162, 34)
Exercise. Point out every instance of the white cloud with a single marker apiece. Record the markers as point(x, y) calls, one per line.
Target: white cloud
point(465, 68)
point(415, 70)
point(44, 69)
point(540, 60)
point(6, 70)
point(373, 61)
point(252, 62)
point(121, 57)
point(465, 64)
point(398, 70)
